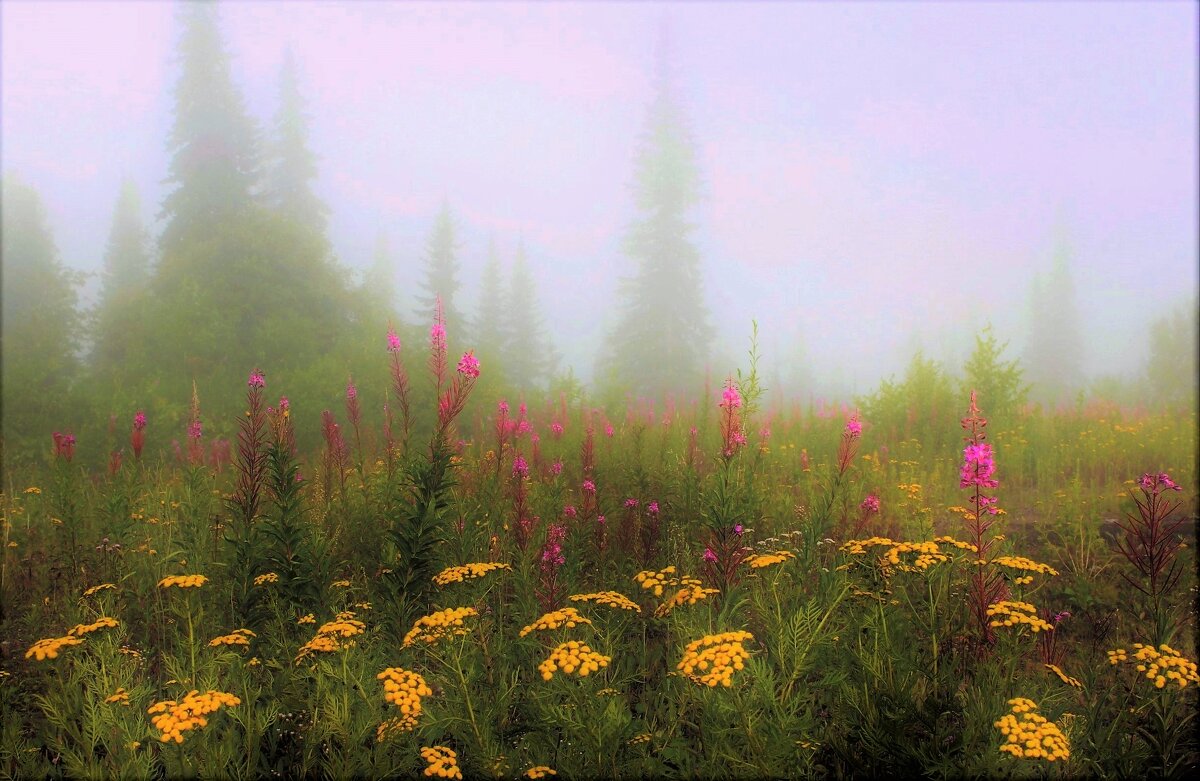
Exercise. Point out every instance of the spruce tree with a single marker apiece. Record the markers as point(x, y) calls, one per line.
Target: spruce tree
point(126, 274)
point(489, 323)
point(999, 383)
point(530, 358)
point(661, 341)
point(293, 166)
point(213, 141)
point(441, 276)
point(41, 327)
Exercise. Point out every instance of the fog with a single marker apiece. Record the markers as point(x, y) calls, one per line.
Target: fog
point(874, 178)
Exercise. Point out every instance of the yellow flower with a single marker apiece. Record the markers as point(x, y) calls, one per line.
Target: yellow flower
point(183, 581)
point(1031, 736)
point(716, 657)
point(760, 560)
point(404, 689)
point(175, 718)
point(49, 648)
point(96, 589)
point(568, 617)
point(269, 577)
point(33, 489)
point(104, 622)
point(1063, 676)
point(1010, 613)
point(120, 695)
point(467, 572)
point(308, 619)
point(1161, 665)
point(332, 636)
point(573, 657)
point(609, 598)
point(433, 627)
point(341, 583)
point(237, 637)
point(539, 771)
point(443, 762)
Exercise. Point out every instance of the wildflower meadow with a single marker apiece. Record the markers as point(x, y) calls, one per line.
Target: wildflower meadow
point(717, 590)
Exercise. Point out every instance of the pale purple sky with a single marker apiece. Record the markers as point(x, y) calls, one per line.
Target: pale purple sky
point(876, 175)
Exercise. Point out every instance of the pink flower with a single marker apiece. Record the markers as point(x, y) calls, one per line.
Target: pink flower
point(520, 468)
point(351, 391)
point(600, 519)
point(570, 511)
point(256, 380)
point(468, 365)
point(437, 336)
point(195, 431)
point(557, 467)
point(652, 508)
point(502, 407)
point(393, 341)
point(978, 467)
point(608, 430)
point(64, 445)
point(556, 428)
point(731, 398)
point(709, 555)
point(738, 530)
point(589, 487)
point(1156, 484)
point(139, 421)
point(854, 426)
point(870, 504)
point(630, 503)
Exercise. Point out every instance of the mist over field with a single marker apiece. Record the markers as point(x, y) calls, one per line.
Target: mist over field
point(865, 181)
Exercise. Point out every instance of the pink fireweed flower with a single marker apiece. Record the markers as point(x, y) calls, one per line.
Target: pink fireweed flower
point(393, 341)
point(652, 508)
point(1156, 484)
point(64, 446)
point(520, 467)
point(600, 519)
point(139, 421)
point(978, 466)
point(709, 555)
point(137, 437)
point(737, 529)
point(630, 503)
point(502, 407)
point(854, 426)
point(256, 380)
point(437, 336)
point(195, 430)
point(351, 391)
point(870, 504)
point(468, 365)
point(589, 487)
point(557, 467)
point(556, 428)
point(570, 511)
point(731, 398)
point(608, 430)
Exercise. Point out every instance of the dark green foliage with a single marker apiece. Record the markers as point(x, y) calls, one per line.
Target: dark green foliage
point(418, 529)
point(923, 405)
point(291, 548)
point(661, 340)
point(529, 357)
point(41, 325)
point(213, 143)
point(441, 276)
point(1171, 366)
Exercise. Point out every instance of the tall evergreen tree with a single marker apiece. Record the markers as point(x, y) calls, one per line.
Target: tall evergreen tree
point(40, 327)
point(213, 142)
point(489, 323)
point(999, 383)
point(529, 356)
point(441, 275)
point(293, 166)
point(1054, 352)
point(126, 274)
point(662, 338)
point(1172, 372)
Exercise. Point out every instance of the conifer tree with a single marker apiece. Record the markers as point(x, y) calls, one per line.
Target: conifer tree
point(530, 358)
point(441, 276)
point(999, 383)
point(213, 141)
point(489, 324)
point(41, 327)
point(1054, 353)
point(662, 338)
point(293, 166)
point(126, 274)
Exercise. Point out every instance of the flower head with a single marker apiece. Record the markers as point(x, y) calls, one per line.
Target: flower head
point(256, 380)
point(393, 341)
point(468, 365)
point(139, 421)
point(731, 398)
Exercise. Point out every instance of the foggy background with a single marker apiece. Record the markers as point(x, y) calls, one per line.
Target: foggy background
point(876, 178)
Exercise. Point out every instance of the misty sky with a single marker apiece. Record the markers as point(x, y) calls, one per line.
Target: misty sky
point(872, 171)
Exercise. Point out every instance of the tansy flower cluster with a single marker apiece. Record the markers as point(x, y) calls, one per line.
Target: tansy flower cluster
point(691, 593)
point(760, 560)
point(269, 577)
point(716, 657)
point(175, 718)
point(948, 540)
point(1161, 665)
point(927, 552)
point(308, 619)
point(467, 572)
point(237, 637)
point(97, 589)
point(657, 581)
point(641, 738)
point(183, 581)
point(404, 689)
point(859, 547)
point(570, 657)
point(609, 598)
point(539, 771)
point(1054, 668)
point(568, 617)
point(103, 622)
point(332, 634)
point(120, 695)
point(1030, 736)
point(443, 762)
point(1025, 565)
point(1015, 613)
point(433, 627)
point(49, 647)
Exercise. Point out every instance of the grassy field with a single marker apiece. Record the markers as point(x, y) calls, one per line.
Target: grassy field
point(720, 591)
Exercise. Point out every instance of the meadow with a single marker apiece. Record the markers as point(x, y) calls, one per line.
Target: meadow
point(725, 588)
